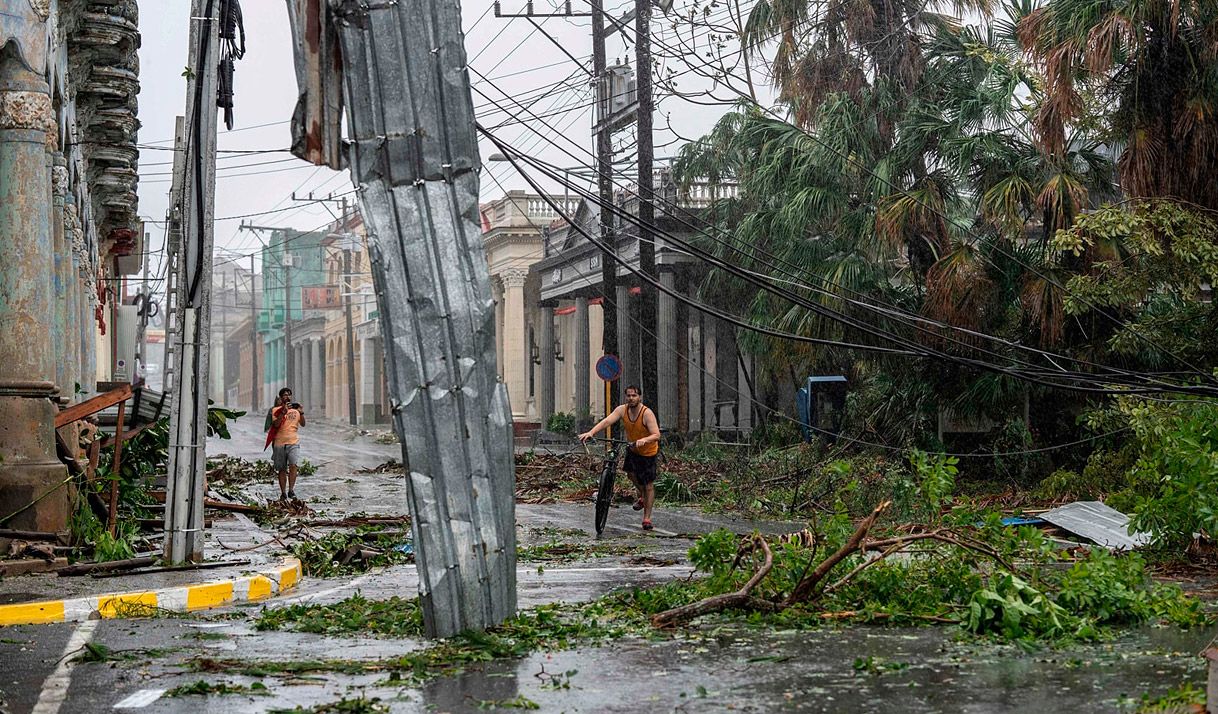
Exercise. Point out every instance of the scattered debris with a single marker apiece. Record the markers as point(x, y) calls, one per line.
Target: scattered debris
point(25, 566)
point(392, 466)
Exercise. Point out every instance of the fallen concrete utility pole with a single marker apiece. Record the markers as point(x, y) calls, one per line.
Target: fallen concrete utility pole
point(414, 157)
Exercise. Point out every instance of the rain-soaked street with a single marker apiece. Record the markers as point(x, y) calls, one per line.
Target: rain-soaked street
point(146, 664)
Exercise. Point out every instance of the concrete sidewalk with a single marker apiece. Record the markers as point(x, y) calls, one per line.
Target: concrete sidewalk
point(269, 571)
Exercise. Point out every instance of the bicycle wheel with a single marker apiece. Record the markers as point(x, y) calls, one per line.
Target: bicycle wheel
point(604, 497)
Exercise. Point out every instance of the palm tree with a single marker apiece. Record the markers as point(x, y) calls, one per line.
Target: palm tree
point(1155, 64)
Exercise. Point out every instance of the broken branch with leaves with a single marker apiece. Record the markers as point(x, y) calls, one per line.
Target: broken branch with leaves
point(811, 585)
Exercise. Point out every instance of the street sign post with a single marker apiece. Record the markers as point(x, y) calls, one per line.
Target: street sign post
point(609, 369)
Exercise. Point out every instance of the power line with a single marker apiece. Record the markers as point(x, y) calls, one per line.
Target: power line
point(910, 348)
point(835, 435)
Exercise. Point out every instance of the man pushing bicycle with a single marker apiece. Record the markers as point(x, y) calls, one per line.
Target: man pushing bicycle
point(643, 433)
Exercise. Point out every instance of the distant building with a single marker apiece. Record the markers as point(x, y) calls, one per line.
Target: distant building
point(547, 281)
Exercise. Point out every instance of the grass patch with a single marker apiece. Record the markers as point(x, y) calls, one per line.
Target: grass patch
point(395, 617)
point(548, 627)
point(357, 705)
point(557, 551)
point(205, 688)
point(518, 702)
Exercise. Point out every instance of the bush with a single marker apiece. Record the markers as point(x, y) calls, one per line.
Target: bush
point(561, 423)
point(1174, 482)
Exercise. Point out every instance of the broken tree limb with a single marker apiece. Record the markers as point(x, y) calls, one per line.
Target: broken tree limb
point(173, 568)
point(806, 587)
point(741, 598)
point(86, 568)
point(861, 567)
point(31, 535)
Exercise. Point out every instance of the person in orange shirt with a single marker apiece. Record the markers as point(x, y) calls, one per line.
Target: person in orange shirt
point(286, 419)
point(643, 433)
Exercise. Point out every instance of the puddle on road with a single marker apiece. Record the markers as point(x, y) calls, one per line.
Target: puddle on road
point(814, 672)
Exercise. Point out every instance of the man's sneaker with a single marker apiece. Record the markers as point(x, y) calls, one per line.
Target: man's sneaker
point(638, 505)
point(647, 525)
point(291, 494)
point(283, 496)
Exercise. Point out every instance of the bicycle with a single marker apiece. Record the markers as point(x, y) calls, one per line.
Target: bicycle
point(604, 491)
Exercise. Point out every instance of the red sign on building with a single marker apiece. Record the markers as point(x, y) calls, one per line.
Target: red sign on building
point(321, 297)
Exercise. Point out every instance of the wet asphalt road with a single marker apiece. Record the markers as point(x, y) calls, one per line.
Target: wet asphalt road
point(707, 670)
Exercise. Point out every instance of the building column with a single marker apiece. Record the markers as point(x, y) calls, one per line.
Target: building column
point(667, 347)
point(694, 349)
point(727, 370)
point(75, 316)
point(367, 382)
point(546, 349)
point(515, 350)
point(582, 365)
point(625, 345)
point(378, 379)
point(30, 473)
point(317, 388)
point(298, 367)
point(63, 262)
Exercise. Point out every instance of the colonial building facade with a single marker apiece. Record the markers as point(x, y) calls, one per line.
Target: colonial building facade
point(69, 81)
point(551, 310)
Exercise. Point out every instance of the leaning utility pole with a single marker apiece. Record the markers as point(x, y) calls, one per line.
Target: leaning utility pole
point(414, 156)
point(188, 416)
point(604, 167)
point(646, 213)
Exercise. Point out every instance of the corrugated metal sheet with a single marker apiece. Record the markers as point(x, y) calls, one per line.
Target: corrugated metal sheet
point(1096, 522)
point(414, 153)
point(317, 120)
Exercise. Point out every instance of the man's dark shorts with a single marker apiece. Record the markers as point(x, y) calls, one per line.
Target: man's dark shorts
point(643, 467)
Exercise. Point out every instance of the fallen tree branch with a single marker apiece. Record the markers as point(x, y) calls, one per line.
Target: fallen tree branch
point(805, 588)
point(741, 598)
point(848, 614)
point(861, 567)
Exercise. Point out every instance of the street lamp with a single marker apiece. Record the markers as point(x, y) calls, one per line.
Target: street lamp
point(567, 172)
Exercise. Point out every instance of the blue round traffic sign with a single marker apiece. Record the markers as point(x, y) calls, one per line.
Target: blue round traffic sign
point(609, 368)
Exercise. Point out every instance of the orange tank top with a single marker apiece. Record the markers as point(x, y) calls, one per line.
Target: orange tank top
point(636, 429)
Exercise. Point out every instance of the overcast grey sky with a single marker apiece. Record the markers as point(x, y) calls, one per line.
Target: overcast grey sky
point(516, 57)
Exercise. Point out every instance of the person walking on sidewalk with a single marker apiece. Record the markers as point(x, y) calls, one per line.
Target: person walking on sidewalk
point(643, 433)
point(283, 422)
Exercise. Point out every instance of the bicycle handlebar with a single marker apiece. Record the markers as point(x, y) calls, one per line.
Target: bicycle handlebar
point(622, 442)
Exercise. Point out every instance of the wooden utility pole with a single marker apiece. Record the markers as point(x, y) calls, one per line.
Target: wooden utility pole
point(188, 416)
point(255, 382)
point(351, 407)
point(287, 260)
point(604, 167)
point(647, 247)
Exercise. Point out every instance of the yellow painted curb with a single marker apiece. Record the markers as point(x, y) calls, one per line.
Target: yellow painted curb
point(187, 598)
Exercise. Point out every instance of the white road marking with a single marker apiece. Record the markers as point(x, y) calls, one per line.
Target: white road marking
point(140, 699)
point(55, 688)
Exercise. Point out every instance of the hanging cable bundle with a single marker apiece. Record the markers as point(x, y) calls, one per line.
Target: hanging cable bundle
point(232, 39)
